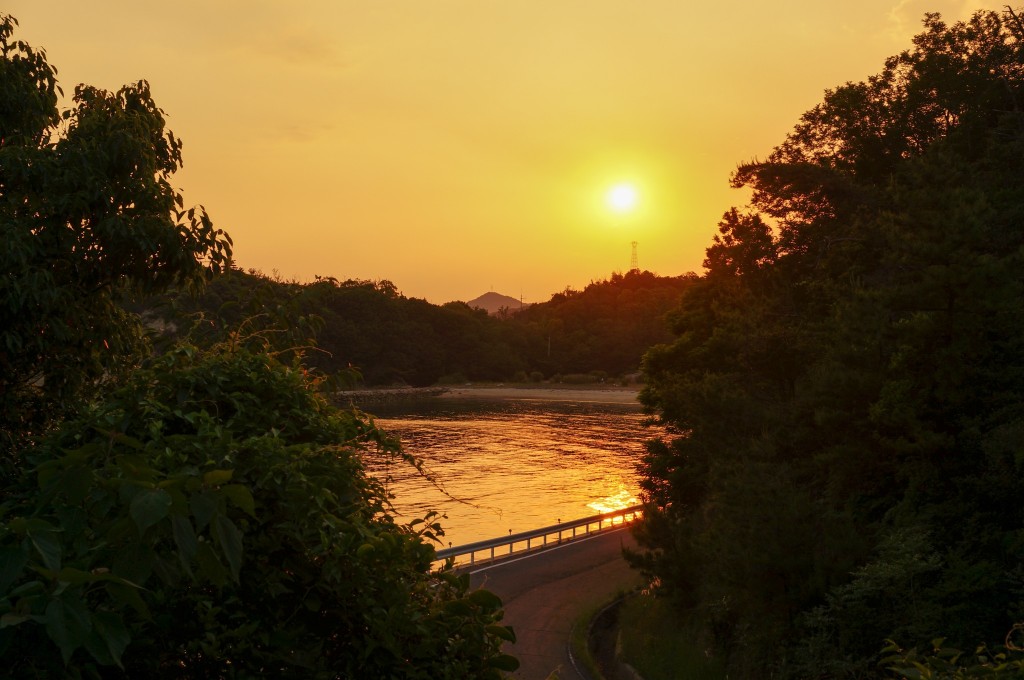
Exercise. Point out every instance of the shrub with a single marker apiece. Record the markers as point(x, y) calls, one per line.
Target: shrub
point(213, 519)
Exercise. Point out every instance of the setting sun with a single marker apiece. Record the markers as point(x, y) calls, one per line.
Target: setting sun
point(622, 197)
point(543, 138)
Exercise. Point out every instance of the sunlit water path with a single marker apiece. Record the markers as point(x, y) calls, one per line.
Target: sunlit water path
point(515, 464)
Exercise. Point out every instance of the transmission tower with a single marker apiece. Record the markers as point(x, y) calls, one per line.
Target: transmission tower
point(634, 265)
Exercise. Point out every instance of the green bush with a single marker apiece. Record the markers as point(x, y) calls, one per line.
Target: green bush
point(655, 643)
point(213, 519)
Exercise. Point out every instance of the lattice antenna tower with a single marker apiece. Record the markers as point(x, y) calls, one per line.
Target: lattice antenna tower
point(634, 264)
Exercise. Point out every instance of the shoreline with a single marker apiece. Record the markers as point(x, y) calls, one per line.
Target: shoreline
point(599, 395)
point(594, 394)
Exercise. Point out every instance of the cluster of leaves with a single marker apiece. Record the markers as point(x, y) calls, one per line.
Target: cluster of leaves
point(948, 663)
point(87, 214)
point(846, 384)
point(212, 518)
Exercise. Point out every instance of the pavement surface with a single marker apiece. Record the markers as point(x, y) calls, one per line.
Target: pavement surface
point(547, 592)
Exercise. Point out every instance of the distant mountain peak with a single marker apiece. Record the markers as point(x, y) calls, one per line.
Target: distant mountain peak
point(493, 302)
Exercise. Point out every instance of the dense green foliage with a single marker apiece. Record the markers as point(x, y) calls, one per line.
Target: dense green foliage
point(87, 214)
point(942, 662)
point(212, 518)
point(365, 325)
point(605, 327)
point(653, 642)
point(191, 513)
point(391, 339)
point(846, 384)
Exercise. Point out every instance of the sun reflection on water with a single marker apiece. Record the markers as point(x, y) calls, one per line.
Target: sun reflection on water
point(622, 499)
point(510, 467)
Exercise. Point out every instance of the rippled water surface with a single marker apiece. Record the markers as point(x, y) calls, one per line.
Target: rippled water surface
point(515, 465)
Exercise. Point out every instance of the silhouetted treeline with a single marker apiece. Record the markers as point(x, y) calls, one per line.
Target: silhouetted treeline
point(848, 379)
point(605, 327)
point(599, 332)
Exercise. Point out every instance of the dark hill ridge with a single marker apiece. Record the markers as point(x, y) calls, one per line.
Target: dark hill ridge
point(493, 302)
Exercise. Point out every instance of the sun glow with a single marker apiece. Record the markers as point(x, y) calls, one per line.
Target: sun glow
point(622, 198)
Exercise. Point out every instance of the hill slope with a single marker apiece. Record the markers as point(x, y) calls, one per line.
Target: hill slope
point(493, 302)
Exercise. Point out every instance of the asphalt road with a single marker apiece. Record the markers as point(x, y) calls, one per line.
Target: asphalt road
point(547, 592)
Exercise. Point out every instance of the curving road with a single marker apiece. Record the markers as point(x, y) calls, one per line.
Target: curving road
point(546, 592)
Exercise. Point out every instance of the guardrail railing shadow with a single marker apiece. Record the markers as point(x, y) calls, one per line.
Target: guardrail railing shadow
point(537, 539)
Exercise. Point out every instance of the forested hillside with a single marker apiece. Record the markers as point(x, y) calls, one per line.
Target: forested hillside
point(605, 327)
point(388, 338)
point(846, 381)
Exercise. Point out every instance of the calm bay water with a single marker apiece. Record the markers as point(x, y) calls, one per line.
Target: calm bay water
point(514, 464)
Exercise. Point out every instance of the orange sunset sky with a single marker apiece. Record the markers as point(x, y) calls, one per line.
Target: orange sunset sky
point(460, 146)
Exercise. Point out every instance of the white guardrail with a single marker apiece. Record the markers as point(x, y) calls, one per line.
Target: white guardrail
point(537, 539)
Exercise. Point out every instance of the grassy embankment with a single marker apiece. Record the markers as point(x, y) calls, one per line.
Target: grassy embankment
point(651, 640)
point(659, 647)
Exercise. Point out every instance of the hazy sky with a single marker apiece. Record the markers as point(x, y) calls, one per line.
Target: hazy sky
point(460, 146)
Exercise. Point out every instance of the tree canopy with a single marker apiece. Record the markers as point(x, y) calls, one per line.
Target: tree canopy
point(846, 382)
point(388, 338)
point(213, 518)
point(87, 214)
point(192, 513)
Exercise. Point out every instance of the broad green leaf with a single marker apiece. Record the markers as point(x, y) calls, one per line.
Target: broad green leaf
point(503, 632)
point(149, 507)
point(458, 607)
point(113, 632)
point(229, 538)
point(97, 647)
point(12, 561)
point(128, 594)
point(76, 484)
point(23, 526)
point(485, 599)
point(75, 576)
point(26, 589)
point(217, 477)
point(185, 539)
point(67, 623)
point(210, 566)
point(203, 507)
point(240, 495)
point(48, 547)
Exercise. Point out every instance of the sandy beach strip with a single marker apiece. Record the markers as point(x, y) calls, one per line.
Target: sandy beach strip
point(597, 395)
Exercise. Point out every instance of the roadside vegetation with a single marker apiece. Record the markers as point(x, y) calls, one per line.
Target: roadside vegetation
point(654, 642)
